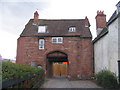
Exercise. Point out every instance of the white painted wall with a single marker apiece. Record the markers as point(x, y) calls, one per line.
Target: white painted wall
point(119, 37)
point(101, 54)
point(106, 50)
point(113, 47)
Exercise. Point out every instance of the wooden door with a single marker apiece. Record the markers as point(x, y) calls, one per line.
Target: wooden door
point(59, 69)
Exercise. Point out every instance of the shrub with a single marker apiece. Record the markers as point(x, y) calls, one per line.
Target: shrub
point(32, 75)
point(107, 79)
point(12, 71)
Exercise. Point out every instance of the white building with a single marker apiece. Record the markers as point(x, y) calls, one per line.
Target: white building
point(107, 42)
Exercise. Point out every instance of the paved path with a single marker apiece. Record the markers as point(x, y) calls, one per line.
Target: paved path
point(64, 83)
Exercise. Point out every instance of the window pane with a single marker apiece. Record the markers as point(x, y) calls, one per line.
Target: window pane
point(41, 42)
point(54, 40)
point(59, 40)
point(41, 46)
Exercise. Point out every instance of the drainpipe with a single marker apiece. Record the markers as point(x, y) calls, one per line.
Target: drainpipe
point(119, 70)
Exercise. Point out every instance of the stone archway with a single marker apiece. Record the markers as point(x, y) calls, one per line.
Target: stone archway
point(55, 61)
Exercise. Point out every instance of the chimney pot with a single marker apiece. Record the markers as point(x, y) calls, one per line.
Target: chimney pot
point(100, 12)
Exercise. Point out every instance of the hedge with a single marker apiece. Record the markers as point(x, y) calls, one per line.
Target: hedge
point(106, 79)
point(19, 72)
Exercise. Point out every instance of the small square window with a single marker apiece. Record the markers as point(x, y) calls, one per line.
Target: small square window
point(72, 29)
point(59, 40)
point(42, 29)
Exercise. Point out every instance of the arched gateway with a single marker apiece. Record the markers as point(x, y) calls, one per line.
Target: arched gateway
point(56, 64)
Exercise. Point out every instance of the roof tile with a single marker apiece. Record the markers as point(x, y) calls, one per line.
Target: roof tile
point(57, 28)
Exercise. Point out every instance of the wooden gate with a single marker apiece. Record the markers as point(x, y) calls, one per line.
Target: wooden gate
point(59, 69)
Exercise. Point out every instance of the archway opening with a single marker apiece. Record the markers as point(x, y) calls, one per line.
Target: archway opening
point(57, 64)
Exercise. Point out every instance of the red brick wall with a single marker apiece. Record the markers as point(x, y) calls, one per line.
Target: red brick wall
point(87, 58)
point(79, 53)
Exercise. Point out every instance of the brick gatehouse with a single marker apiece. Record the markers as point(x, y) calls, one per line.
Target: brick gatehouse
point(46, 43)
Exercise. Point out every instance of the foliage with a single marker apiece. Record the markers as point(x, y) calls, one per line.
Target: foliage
point(12, 71)
point(0, 71)
point(106, 79)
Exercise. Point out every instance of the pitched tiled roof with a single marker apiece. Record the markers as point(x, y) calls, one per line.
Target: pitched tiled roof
point(112, 18)
point(57, 28)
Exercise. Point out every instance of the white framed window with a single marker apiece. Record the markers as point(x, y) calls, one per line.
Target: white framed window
point(72, 29)
point(41, 43)
point(57, 40)
point(42, 29)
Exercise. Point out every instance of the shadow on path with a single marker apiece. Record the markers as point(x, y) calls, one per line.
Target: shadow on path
point(62, 82)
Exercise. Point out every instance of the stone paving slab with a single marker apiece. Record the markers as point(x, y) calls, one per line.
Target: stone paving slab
point(64, 83)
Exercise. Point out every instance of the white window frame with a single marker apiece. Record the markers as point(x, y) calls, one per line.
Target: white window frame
point(42, 29)
point(57, 39)
point(41, 46)
point(72, 29)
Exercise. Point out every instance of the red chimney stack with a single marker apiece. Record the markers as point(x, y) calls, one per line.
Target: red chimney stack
point(100, 21)
point(36, 17)
point(87, 24)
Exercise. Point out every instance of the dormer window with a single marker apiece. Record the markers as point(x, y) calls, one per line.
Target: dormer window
point(72, 29)
point(42, 29)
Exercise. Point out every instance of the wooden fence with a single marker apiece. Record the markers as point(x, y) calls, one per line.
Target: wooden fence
point(31, 81)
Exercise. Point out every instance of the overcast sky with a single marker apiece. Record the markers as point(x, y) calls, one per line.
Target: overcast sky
point(14, 15)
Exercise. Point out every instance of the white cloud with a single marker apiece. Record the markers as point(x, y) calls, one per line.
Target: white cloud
point(8, 45)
